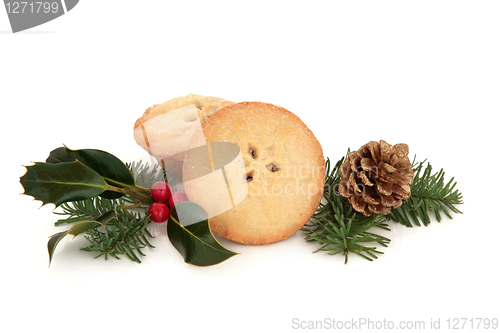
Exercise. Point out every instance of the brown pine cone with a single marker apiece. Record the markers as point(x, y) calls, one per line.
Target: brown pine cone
point(376, 177)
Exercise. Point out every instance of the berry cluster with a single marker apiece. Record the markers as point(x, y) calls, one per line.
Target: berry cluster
point(165, 201)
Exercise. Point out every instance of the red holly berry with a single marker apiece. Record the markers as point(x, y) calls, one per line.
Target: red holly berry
point(177, 196)
point(161, 191)
point(159, 212)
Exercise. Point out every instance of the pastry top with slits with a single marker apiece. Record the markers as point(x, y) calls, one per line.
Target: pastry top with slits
point(284, 167)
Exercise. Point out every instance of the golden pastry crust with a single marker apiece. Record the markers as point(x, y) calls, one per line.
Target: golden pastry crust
point(284, 166)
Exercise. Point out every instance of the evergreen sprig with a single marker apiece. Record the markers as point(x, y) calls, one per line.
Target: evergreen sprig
point(339, 229)
point(127, 237)
point(146, 175)
point(429, 193)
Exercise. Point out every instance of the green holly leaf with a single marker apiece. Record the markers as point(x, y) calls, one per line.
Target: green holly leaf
point(108, 166)
point(77, 229)
point(62, 182)
point(189, 232)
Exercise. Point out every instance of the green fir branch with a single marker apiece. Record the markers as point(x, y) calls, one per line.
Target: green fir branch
point(338, 228)
point(429, 193)
point(127, 237)
point(146, 175)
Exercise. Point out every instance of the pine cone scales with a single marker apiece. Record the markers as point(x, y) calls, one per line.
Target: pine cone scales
point(376, 177)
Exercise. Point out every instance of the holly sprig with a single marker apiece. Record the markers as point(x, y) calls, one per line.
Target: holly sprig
point(102, 198)
point(339, 229)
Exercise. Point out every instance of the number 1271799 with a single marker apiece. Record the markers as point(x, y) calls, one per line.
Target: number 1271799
point(31, 7)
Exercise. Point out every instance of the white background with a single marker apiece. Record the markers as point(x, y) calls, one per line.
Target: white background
point(426, 73)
